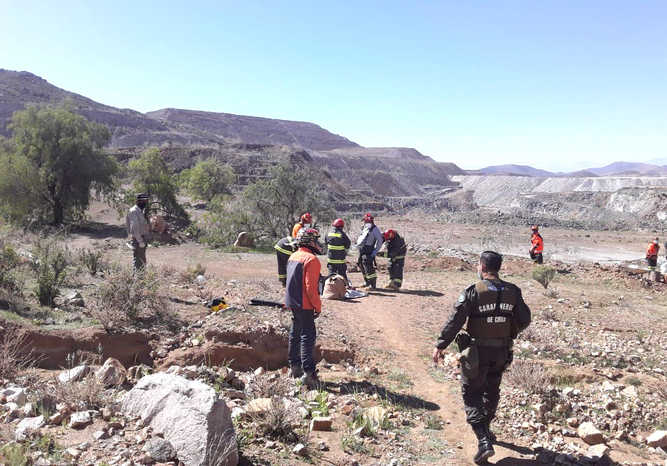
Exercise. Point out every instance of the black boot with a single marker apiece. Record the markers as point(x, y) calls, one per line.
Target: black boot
point(485, 449)
point(489, 433)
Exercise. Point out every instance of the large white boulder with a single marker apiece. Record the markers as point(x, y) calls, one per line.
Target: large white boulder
point(189, 414)
point(27, 427)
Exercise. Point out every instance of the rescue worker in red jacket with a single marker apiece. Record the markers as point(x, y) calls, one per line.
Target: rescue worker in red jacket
point(305, 221)
point(302, 297)
point(395, 251)
point(652, 254)
point(536, 245)
point(337, 243)
point(284, 249)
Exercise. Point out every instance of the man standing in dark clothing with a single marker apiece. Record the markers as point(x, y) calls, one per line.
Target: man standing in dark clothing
point(395, 251)
point(284, 249)
point(492, 313)
point(302, 297)
point(337, 245)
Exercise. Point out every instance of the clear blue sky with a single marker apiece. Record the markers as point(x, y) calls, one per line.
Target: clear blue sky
point(554, 84)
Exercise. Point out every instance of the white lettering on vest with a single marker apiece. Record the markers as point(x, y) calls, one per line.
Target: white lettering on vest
point(492, 307)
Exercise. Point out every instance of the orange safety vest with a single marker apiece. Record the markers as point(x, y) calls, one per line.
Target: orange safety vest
point(537, 243)
point(652, 250)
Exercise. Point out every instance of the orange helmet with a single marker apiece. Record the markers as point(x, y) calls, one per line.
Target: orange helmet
point(534, 228)
point(389, 235)
point(338, 223)
point(306, 218)
point(368, 218)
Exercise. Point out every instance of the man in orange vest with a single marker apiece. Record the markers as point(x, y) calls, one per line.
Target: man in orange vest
point(306, 220)
point(652, 254)
point(536, 245)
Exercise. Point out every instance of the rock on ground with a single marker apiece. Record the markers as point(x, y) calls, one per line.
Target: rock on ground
point(590, 434)
point(27, 426)
point(74, 374)
point(190, 416)
point(111, 373)
point(160, 450)
point(657, 439)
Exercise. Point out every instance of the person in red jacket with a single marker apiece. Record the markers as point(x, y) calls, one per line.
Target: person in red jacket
point(302, 297)
point(652, 254)
point(536, 245)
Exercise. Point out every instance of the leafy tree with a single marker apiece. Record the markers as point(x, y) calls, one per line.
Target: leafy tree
point(268, 208)
point(51, 164)
point(208, 179)
point(151, 175)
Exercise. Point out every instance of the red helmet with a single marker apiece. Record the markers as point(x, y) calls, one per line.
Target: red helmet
point(338, 223)
point(389, 235)
point(534, 228)
point(306, 218)
point(368, 218)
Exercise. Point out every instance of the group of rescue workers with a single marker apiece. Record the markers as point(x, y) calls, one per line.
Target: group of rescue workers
point(486, 317)
point(369, 243)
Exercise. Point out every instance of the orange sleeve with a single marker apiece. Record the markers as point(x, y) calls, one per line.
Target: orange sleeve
point(312, 282)
point(295, 229)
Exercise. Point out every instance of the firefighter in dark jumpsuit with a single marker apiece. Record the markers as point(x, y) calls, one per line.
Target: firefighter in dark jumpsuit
point(284, 249)
point(492, 312)
point(396, 250)
point(337, 245)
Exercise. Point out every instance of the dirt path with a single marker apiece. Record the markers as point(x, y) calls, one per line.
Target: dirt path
point(392, 317)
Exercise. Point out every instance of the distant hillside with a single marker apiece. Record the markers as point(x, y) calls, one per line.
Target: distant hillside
point(250, 144)
point(630, 168)
point(256, 130)
point(521, 170)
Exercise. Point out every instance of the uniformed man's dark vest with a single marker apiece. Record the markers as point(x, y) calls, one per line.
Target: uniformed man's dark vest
point(396, 248)
point(287, 245)
point(336, 247)
point(494, 315)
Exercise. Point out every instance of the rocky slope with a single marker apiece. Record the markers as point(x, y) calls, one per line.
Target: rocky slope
point(250, 144)
point(632, 199)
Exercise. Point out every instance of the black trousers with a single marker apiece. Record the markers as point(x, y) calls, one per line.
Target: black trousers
point(282, 266)
point(652, 262)
point(340, 269)
point(481, 394)
point(537, 257)
point(396, 271)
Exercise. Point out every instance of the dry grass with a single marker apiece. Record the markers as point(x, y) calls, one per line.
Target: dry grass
point(129, 297)
point(279, 422)
point(530, 376)
point(86, 394)
point(221, 448)
point(268, 385)
point(14, 354)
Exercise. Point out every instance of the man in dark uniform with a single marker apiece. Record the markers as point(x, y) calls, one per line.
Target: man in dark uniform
point(395, 251)
point(337, 245)
point(284, 249)
point(492, 312)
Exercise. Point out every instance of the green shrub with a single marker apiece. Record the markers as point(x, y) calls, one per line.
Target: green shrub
point(268, 208)
point(150, 174)
point(9, 262)
point(543, 274)
point(51, 263)
point(91, 260)
point(208, 179)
